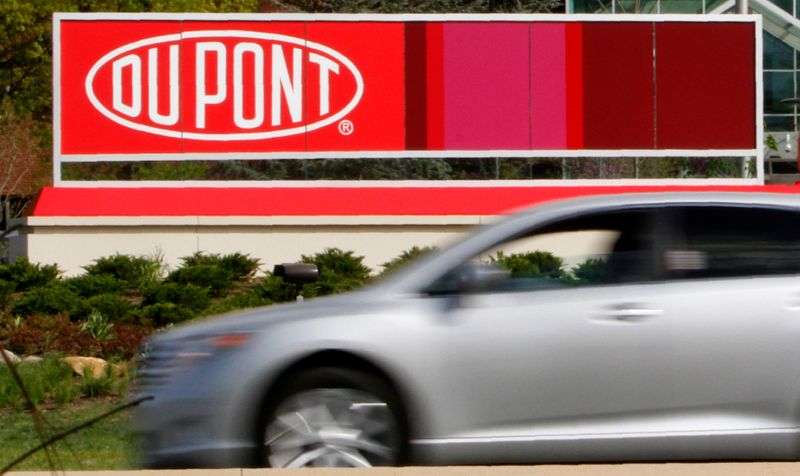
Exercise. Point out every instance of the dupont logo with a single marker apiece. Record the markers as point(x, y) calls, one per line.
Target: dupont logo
point(224, 85)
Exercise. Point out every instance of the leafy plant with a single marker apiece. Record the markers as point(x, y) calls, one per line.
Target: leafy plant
point(39, 335)
point(98, 326)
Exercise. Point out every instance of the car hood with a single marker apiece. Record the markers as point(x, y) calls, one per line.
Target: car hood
point(253, 320)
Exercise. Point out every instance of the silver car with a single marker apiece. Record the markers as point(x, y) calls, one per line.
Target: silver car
point(669, 329)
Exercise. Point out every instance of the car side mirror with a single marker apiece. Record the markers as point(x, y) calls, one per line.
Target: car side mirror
point(470, 278)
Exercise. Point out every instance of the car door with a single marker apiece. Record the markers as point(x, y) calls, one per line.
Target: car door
point(733, 276)
point(571, 358)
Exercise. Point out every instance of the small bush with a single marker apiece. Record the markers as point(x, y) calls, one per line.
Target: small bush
point(163, 314)
point(534, 264)
point(238, 301)
point(136, 272)
point(239, 265)
point(89, 285)
point(339, 271)
point(6, 291)
point(188, 296)
point(27, 276)
point(274, 288)
point(112, 306)
point(55, 298)
point(591, 271)
point(405, 257)
point(212, 277)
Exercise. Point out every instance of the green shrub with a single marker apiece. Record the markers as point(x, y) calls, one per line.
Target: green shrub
point(591, 271)
point(163, 314)
point(238, 301)
point(55, 298)
point(112, 306)
point(339, 271)
point(136, 272)
point(6, 291)
point(89, 285)
point(27, 276)
point(274, 288)
point(239, 265)
point(215, 279)
point(534, 264)
point(184, 295)
point(405, 257)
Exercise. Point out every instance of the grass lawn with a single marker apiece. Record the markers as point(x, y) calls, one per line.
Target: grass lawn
point(107, 445)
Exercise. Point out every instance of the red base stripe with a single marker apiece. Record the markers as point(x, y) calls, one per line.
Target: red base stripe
point(127, 202)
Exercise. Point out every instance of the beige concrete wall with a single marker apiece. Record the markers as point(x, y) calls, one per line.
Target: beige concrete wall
point(73, 243)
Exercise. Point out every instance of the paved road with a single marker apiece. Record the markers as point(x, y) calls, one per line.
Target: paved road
point(671, 469)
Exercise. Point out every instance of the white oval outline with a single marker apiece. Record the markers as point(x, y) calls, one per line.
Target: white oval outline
point(224, 34)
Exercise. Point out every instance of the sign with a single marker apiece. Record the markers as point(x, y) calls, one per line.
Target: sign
point(175, 87)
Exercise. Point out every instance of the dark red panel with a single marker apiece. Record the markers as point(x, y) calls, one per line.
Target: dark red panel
point(574, 64)
point(318, 201)
point(416, 79)
point(705, 82)
point(618, 79)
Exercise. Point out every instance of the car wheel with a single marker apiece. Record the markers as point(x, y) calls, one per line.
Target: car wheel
point(333, 417)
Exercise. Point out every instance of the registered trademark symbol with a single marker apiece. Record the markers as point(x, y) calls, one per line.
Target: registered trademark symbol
point(346, 127)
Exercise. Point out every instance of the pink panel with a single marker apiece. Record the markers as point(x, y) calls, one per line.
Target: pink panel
point(486, 89)
point(548, 86)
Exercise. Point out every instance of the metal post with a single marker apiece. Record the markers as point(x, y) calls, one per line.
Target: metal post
point(741, 7)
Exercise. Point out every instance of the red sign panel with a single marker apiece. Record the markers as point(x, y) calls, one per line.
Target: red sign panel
point(278, 86)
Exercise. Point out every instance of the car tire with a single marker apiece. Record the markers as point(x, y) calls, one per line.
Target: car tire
point(333, 417)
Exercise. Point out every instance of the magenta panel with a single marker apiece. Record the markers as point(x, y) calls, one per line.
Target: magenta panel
point(486, 86)
point(548, 86)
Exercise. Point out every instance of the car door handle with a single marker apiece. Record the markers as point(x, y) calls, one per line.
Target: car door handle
point(631, 313)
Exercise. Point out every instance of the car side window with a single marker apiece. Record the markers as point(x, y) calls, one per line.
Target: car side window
point(734, 242)
point(604, 248)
